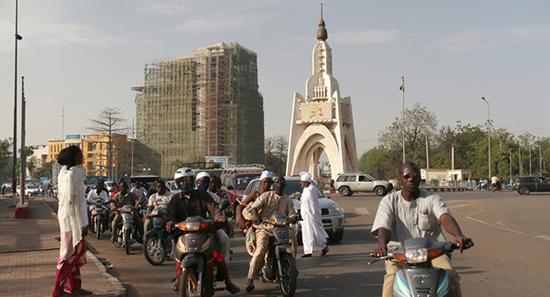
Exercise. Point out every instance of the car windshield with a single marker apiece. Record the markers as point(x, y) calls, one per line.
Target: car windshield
point(241, 181)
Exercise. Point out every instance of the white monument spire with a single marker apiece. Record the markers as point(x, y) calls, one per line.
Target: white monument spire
point(322, 121)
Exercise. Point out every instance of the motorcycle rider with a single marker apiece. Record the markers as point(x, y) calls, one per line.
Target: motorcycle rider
point(124, 197)
point(190, 202)
point(266, 180)
point(99, 192)
point(158, 202)
point(413, 212)
point(268, 204)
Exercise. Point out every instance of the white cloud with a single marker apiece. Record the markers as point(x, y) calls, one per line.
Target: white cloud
point(366, 37)
point(529, 32)
point(462, 42)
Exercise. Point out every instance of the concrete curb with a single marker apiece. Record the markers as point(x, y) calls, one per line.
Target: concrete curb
point(120, 290)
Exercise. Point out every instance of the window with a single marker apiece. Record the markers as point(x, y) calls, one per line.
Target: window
point(363, 178)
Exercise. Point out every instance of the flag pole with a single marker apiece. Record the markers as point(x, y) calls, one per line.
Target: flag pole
point(403, 117)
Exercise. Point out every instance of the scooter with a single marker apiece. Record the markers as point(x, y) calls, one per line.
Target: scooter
point(416, 276)
point(197, 255)
point(127, 230)
point(281, 265)
point(158, 242)
point(99, 213)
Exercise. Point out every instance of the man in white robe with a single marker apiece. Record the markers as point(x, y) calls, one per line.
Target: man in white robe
point(314, 236)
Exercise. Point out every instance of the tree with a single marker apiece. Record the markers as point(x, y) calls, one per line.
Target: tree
point(5, 160)
point(276, 149)
point(380, 162)
point(44, 171)
point(109, 121)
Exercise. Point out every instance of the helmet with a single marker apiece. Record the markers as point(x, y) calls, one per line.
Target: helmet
point(183, 172)
point(201, 175)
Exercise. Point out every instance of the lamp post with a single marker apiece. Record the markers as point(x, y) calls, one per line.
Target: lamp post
point(14, 152)
point(488, 134)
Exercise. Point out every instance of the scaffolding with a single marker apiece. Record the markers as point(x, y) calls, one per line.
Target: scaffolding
point(203, 104)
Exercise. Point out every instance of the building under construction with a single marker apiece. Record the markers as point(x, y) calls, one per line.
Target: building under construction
point(203, 104)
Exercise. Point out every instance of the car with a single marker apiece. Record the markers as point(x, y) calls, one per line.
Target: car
point(30, 189)
point(332, 215)
point(235, 179)
point(528, 184)
point(349, 183)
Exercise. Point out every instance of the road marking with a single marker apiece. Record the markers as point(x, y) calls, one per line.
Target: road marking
point(544, 237)
point(362, 211)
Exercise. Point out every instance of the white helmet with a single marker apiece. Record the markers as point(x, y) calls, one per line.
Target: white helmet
point(202, 175)
point(183, 172)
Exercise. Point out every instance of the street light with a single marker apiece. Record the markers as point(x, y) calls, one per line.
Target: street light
point(488, 134)
point(14, 152)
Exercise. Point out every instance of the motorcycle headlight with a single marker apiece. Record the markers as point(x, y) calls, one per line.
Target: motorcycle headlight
point(336, 210)
point(192, 226)
point(419, 255)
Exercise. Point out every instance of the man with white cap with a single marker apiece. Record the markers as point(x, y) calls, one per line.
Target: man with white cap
point(266, 180)
point(314, 236)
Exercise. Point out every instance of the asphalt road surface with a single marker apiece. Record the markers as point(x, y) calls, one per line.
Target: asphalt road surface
point(511, 255)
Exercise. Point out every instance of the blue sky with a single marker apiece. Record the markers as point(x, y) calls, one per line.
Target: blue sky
point(90, 53)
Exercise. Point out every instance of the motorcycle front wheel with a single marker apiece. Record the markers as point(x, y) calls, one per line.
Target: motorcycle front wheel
point(154, 250)
point(97, 226)
point(188, 283)
point(127, 241)
point(287, 281)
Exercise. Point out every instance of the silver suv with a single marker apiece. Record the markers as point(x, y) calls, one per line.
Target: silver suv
point(348, 183)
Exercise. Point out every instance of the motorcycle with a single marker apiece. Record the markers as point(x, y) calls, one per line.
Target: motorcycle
point(99, 214)
point(416, 275)
point(198, 256)
point(158, 242)
point(281, 265)
point(126, 234)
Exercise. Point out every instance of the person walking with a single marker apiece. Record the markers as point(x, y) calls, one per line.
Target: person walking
point(314, 236)
point(73, 223)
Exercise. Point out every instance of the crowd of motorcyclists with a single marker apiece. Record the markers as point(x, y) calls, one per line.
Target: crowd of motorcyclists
point(199, 214)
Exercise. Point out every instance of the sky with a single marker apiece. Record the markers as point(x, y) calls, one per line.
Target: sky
point(86, 56)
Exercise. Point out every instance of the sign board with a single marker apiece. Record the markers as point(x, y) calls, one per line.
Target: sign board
point(72, 136)
point(223, 160)
point(317, 111)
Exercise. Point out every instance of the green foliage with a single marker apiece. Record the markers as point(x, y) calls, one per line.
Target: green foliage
point(5, 160)
point(276, 149)
point(470, 144)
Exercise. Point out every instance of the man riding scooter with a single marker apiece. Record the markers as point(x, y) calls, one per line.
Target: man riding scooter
point(190, 202)
point(415, 213)
point(124, 197)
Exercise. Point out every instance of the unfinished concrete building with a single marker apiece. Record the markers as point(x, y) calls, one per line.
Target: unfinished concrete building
point(203, 104)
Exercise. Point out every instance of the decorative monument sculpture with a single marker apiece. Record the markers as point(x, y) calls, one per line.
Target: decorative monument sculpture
point(322, 120)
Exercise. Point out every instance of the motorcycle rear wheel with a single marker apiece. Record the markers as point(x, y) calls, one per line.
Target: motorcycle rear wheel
point(287, 281)
point(154, 250)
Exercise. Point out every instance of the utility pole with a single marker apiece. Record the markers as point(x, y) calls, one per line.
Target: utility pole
point(402, 88)
point(530, 163)
point(520, 162)
point(427, 153)
point(488, 134)
point(510, 163)
point(14, 148)
point(540, 161)
point(22, 156)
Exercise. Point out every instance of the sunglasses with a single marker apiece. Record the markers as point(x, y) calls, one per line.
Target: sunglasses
point(407, 176)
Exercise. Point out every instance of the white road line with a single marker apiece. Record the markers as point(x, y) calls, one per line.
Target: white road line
point(544, 237)
point(362, 211)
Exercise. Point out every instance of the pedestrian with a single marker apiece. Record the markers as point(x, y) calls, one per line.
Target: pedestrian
point(73, 223)
point(314, 236)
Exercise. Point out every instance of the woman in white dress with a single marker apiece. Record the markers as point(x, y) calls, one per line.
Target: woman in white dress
point(73, 223)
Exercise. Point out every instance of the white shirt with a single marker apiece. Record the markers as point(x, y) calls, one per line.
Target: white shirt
point(404, 219)
point(92, 196)
point(158, 201)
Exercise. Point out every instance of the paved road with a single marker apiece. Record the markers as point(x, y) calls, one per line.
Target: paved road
point(510, 258)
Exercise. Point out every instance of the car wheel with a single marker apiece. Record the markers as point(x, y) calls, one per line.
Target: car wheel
point(345, 191)
point(380, 191)
point(337, 236)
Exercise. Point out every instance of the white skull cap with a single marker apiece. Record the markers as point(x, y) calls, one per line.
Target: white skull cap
point(305, 176)
point(266, 174)
point(201, 175)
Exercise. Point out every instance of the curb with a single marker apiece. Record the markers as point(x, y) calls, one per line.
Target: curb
point(120, 290)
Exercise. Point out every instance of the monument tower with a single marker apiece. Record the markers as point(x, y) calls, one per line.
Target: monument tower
point(322, 121)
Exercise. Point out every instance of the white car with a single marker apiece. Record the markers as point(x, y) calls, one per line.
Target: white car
point(30, 190)
point(331, 213)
